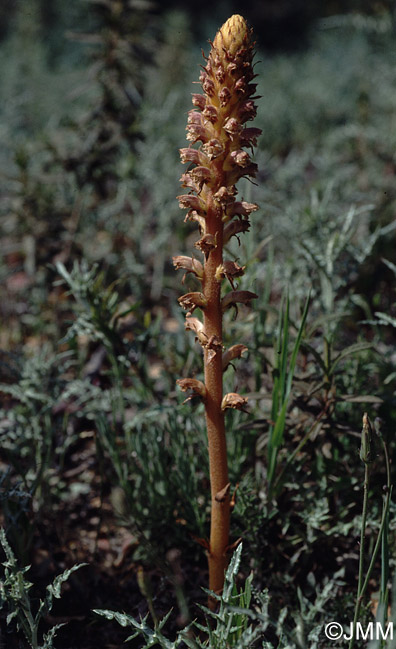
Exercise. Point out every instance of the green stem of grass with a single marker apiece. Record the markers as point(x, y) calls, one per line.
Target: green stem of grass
point(361, 554)
point(283, 379)
point(362, 585)
point(384, 591)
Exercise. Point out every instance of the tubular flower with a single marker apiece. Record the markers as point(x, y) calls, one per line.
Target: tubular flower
point(233, 352)
point(233, 400)
point(218, 156)
point(192, 301)
point(230, 270)
point(189, 264)
point(233, 297)
point(197, 387)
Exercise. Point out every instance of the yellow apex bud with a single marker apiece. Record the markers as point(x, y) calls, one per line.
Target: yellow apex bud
point(232, 34)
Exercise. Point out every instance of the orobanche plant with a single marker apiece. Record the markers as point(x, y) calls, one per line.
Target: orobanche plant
point(217, 122)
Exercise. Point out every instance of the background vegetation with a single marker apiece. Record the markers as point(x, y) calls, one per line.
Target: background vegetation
point(100, 461)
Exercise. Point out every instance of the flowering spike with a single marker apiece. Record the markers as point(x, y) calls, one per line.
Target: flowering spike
point(218, 158)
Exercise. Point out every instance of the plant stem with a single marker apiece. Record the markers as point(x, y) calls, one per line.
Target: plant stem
point(362, 586)
point(366, 457)
point(218, 466)
point(384, 592)
point(385, 513)
point(363, 529)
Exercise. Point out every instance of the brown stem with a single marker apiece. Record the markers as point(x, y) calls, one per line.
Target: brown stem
point(220, 514)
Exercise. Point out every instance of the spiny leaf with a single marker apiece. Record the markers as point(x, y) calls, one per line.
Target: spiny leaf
point(54, 589)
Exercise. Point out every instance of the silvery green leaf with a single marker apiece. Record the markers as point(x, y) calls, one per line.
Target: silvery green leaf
point(385, 319)
point(48, 638)
point(54, 589)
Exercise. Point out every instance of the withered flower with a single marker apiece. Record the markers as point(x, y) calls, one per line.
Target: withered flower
point(229, 270)
point(234, 297)
point(192, 301)
point(235, 351)
point(233, 400)
point(189, 264)
point(196, 387)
